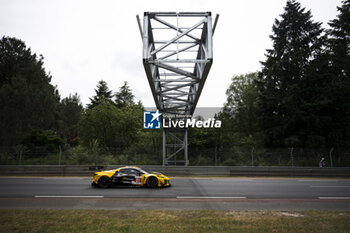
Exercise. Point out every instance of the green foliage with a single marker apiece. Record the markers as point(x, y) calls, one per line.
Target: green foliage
point(147, 149)
point(114, 128)
point(124, 97)
point(300, 99)
point(40, 143)
point(287, 79)
point(103, 94)
point(28, 101)
point(239, 115)
point(70, 110)
point(241, 107)
point(339, 57)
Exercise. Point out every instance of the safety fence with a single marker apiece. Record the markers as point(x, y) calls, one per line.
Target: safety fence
point(65, 170)
point(198, 156)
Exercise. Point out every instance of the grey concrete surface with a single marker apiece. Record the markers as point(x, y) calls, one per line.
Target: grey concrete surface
point(185, 193)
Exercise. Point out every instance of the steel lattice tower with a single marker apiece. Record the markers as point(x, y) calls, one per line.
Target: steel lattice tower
point(177, 56)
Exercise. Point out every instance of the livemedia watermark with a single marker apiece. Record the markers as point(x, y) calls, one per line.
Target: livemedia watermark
point(158, 120)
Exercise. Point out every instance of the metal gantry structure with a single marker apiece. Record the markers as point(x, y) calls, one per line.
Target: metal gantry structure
point(177, 56)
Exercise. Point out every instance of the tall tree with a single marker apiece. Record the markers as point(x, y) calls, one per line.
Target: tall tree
point(70, 110)
point(239, 115)
point(339, 55)
point(241, 105)
point(28, 101)
point(124, 97)
point(297, 40)
point(102, 94)
point(339, 41)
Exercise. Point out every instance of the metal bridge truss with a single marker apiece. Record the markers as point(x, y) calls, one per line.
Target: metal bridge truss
point(175, 146)
point(177, 56)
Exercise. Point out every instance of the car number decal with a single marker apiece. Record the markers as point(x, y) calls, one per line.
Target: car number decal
point(137, 180)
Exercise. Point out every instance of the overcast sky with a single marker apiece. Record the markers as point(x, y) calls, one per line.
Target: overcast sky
point(86, 41)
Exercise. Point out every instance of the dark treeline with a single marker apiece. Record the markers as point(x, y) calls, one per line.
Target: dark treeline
point(301, 96)
point(296, 107)
point(36, 124)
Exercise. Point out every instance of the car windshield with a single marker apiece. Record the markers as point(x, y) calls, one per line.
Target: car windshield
point(143, 171)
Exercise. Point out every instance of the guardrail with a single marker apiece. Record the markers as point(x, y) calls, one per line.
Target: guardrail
point(84, 170)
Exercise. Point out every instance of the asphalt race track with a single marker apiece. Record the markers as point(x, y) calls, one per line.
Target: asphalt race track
point(185, 193)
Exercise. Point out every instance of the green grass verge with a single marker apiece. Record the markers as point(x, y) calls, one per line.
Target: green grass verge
point(172, 221)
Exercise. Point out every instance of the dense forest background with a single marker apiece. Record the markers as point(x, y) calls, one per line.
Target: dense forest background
point(294, 111)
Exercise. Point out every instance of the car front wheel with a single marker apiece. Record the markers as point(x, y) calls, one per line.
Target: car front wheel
point(152, 182)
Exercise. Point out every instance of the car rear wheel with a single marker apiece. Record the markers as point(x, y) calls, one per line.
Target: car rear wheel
point(152, 182)
point(104, 182)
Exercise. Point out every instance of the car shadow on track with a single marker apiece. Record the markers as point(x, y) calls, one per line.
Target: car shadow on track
point(128, 187)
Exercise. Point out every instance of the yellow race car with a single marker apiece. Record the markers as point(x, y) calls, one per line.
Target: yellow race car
point(131, 176)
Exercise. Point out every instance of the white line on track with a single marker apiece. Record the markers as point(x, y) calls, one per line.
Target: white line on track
point(328, 186)
point(334, 198)
point(207, 197)
point(43, 196)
